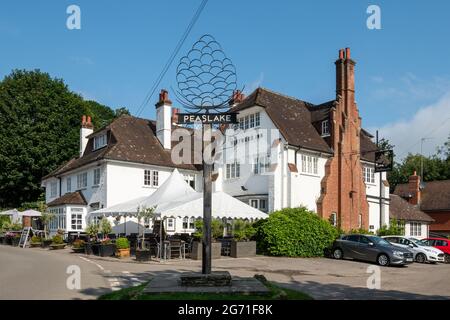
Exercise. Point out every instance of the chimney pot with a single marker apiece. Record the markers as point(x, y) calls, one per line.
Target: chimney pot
point(83, 119)
point(341, 54)
point(347, 53)
point(163, 98)
point(89, 119)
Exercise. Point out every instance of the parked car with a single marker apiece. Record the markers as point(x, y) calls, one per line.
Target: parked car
point(371, 248)
point(442, 244)
point(422, 251)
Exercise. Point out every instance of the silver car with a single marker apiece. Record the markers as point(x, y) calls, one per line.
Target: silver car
point(421, 250)
point(371, 248)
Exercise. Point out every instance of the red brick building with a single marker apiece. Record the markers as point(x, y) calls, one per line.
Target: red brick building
point(433, 199)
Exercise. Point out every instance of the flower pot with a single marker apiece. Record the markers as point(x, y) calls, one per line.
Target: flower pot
point(78, 250)
point(46, 243)
point(241, 249)
point(143, 255)
point(7, 241)
point(106, 250)
point(90, 248)
point(35, 244)
point(196, 253)
point(55, 246)
point(15, 241)
point(123, 253)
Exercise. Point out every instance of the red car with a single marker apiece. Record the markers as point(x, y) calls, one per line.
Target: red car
point(442, 244)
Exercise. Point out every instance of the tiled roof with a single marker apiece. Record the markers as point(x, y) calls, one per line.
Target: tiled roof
point(129, 139)
point(295, 119)
point(291, 116)
point(435, 195)
point(76, 198)
point(403, 210)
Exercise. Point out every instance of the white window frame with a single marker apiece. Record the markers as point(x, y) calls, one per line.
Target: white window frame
point(69, 184)
point(325, 128)
point(82, 181)
point(250, 121)
point(171, 221)
point(96, 178)
point(53, 189)
point(76, 219)
point(369, 174)
point(258, 204)
point(233, 170)
point(261, 165)
point(415, 229)
point(310, 164)
point(151, 178)
point(100, 141)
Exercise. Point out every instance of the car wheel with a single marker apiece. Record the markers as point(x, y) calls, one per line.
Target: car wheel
point(383, 260)
point(338, 254)
point(447, 258)
point(421, 258)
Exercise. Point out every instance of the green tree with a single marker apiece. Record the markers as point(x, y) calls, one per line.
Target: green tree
point(39, 130)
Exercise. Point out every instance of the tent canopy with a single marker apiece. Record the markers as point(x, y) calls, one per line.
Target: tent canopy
point(174, 187)
point(223, 206)
point(30, 213)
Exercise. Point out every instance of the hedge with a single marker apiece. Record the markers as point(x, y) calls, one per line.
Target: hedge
point(294, 232)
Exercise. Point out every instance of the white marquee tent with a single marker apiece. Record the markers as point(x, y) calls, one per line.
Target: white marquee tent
point(175, 198)
point(173, 188)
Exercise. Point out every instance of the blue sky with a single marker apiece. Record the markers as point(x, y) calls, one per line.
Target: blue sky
point(402, 74)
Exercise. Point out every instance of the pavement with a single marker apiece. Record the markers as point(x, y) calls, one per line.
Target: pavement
point(43, 274)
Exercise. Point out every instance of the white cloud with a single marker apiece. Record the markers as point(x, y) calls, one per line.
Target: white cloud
point(432, 121)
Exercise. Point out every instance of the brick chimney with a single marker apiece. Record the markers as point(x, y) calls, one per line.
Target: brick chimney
point(87, 128)
point(414, 189)
point(343, 191)
point(175, 112)
point(236, 98)
point(164, 119)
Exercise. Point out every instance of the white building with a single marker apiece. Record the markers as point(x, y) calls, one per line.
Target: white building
point(283, 153)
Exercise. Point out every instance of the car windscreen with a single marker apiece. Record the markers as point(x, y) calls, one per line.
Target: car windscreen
point(421, 243)
point(379, 241)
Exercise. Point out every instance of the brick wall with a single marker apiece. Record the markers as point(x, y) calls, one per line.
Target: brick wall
point(343, 189)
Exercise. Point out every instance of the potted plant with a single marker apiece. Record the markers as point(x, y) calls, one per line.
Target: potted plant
point(78, 246)
point(57, 243)
point(216, 230)
point(92, 232)
point(143, 253)
point(36, 241)
point(123, 248)
point(106, 248)
point(15, 239)
point(241, 246)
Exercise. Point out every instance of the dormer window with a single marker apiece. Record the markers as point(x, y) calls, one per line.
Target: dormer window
point(100, 141)
point(325, 128)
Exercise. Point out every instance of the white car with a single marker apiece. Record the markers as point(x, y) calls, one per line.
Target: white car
point(421, 250)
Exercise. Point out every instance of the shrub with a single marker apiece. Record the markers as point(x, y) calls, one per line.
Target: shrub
point(36, 239)
point(295, 232)
point(360, 231)
point(92, 230)
point(78, 244)
point(122, 243)
point(393, 230)
point(105, 226)
point(106, 241)
point(243, 230)
point(58, 239)
point(216, 229)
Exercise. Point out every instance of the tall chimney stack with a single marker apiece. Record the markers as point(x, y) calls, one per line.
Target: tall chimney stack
point(87, 128)
point(164, 119)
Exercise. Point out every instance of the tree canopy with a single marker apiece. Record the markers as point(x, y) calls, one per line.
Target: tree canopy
point(435, 167)
point(39, 130)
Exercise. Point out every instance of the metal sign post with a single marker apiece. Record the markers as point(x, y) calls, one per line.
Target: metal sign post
point(206, 81)
point(207, 205)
